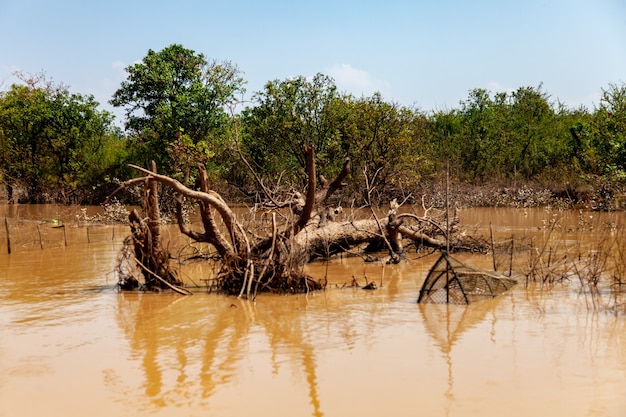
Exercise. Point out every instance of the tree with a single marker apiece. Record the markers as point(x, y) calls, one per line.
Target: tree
point(53, 143)
point(443, 142)
point(381, 140)
point(510, 134)
point(480, 145)
point(269, 259)
point(535, 143)
point(610, 130)
point(175, 105)
point(291, 114)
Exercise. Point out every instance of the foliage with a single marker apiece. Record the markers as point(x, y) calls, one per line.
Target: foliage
point(609, 129)
point(508, 136)
point(289, 115)
point(380, 138)
point(175, 106)
point(179, 106)
point(382, 141)
point(54, 143)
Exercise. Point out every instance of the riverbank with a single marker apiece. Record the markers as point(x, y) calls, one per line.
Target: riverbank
point(596, 194)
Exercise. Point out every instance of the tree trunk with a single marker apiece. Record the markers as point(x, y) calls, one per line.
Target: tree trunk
point(150, 256)
point(10, 199)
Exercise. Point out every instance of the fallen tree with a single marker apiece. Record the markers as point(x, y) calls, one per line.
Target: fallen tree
point(302, 227)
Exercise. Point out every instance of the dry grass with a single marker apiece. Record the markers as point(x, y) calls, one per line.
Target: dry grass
point(589, 257)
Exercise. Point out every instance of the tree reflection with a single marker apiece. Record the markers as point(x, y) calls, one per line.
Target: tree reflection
point(168, 342)
point(190, 347)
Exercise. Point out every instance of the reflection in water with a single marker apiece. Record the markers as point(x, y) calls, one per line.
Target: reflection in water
point(446, 323)
point(72, 346)
point(167, 339)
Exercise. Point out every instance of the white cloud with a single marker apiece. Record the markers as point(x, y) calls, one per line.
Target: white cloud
point(496, 87)
point(356, 81)
point(121, 66)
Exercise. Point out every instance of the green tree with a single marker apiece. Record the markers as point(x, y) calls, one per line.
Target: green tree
point(443, 144)
point(53, 143)
point(510, 135)
point(481, 143)
point(382, 140)
point(289, 115)
point(533, 119)
point(175, 102)
point(609, 125)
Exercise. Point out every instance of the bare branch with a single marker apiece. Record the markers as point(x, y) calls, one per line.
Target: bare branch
point(423, 220)
point(122, 187)
point(176, 288)
point(329, 189)
point(310, 193)
point(211, 198)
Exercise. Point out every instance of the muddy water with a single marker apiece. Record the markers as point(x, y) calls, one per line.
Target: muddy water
point(71, 345)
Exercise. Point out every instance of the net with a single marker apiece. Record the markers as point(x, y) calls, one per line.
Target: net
point(451, 281)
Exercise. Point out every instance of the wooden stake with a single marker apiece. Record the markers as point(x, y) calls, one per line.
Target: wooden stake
point(448, 232)
point(447, 207)
point(493, 248)
point(511, 259)
point(40, 239)
point(6, 225)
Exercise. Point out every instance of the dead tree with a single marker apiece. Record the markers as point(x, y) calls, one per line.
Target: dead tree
point(144, 262)
point(303, 228)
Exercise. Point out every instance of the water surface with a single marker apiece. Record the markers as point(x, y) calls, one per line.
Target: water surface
point(72, 345)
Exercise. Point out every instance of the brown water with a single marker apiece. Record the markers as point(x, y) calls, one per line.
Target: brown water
point(71, 345)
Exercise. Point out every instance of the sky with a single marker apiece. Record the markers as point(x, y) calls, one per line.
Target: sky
point(422, 54)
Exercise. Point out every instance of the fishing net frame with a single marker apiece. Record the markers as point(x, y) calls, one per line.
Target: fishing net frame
point(451, 281)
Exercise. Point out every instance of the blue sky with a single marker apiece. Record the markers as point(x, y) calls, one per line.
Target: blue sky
point(427, 54)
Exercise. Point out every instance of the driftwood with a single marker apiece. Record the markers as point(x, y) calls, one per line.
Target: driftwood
point(272, 262)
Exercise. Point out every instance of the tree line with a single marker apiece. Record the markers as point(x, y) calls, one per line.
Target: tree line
point(183, 109)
